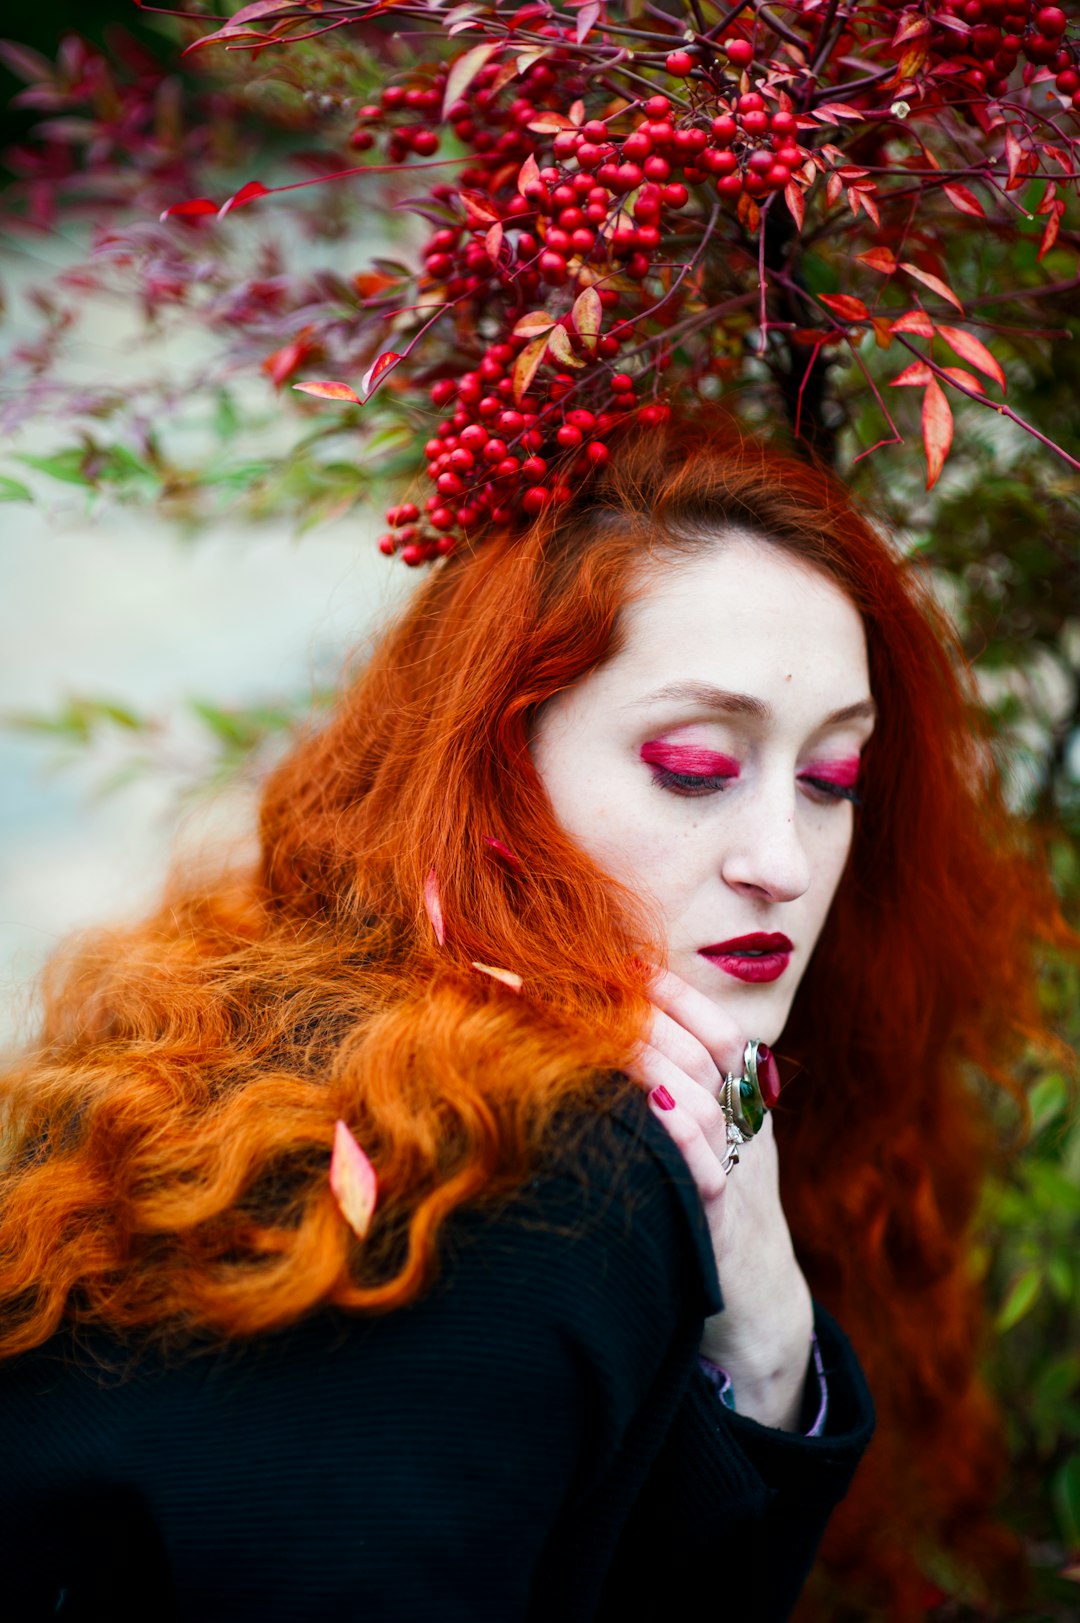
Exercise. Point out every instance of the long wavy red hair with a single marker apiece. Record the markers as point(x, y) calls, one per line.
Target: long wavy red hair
point(168, 1136)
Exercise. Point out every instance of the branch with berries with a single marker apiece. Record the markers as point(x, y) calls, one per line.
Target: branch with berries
point(629, 203)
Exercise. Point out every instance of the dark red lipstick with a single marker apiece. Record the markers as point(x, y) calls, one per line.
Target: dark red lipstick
point(752, 958)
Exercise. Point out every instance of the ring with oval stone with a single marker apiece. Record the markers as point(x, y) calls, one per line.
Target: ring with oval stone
point(745, 1099)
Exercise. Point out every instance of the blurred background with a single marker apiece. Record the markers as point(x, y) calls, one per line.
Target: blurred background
point(187, 557)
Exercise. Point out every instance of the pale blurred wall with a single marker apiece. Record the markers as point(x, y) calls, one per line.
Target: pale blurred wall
point(118, 606)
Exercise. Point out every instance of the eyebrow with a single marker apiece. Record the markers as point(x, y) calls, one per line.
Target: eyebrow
point(707, 697)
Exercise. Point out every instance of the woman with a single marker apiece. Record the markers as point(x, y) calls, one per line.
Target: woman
point(573, 1369)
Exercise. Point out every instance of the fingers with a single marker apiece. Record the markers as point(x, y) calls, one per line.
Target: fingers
point(703, 1161)
point(685, 1051)
point(695, 1013)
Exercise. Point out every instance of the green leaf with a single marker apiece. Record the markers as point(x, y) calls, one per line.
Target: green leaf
point(68, 466)
point(1066, 1496)
point(1049, 1099)
point(1059, 1275)
point(13, 490)
point(1021, 1297)
point(818, 274)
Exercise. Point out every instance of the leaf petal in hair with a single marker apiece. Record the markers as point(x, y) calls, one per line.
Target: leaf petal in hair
point(507, 976)
point(503, 852)
point(433, 907)
point(353, 1181)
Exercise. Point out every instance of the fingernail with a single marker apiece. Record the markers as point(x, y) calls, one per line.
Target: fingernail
point(661, 1098)
point(768, 1075)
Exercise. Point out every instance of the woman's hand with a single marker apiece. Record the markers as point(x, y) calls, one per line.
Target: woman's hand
point(762, 1336)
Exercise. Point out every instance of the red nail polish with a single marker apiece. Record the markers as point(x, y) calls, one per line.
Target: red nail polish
point(768, 1075)
point(661, 1098)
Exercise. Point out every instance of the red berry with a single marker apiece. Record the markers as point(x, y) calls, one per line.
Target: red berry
point(637, 146)
point(511, 422)
point(782, 123)
point(724, 129)
point(568, 436)
point(462, 460)
point(508, 468)
point(393, 95)
point(424, 141)
point(622, 382)
point(760, 162)
point(662, 131)
point(755, 122)
point(533, 469)
point(778, 174)
point(675, 195)
point(494, 450)
point(442, 518)
point(589, 155)
point(730, 185)
point(1068, 82)
point(443, 391)
point(657, 106)
point(536, 499)
point(553, 267)
point(387, 545)
point(1051, 21)
point(648, 237)
point(608, 346)
point(565, 143)
point(656, 168)
point(722, 162)
point(740, 52)
point(751, 102)
point(583, 240)
point(361, 141)
point(597, 453)
point(690, 142)
point(680, 64)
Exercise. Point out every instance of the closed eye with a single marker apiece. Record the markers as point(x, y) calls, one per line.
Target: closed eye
point(689, 784)
point(833, 791)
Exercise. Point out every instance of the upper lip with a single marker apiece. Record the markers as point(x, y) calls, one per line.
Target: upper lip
point(758, 941)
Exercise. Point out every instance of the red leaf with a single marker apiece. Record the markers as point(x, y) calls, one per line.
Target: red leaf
point(966, 201)
point(1053, 226)
point(528, 174)
point(464, 71)
point(478, 211)
point(493, 241)
point(918, 373)
point(911, 26)
point(937, 429)
point(845, 306)
point(968, 379)
point(830, 111)
point(561, 348)
point(533, 324)
point(879, 259)
point(507, 976)
point(933, 282)
point(246, 194)
point(974, 351)
point(329, 391)
point(258, 9)
point(503, 852)
point(527, 365)
point(196, 205)
point(1014, 157)
point(353, 1181)
point(793, 197)
point(281, 365)
point(916, 321)
point(433, 907)
point(377, 369)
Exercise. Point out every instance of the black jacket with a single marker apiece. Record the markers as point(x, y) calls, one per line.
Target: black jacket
point(532, 1441)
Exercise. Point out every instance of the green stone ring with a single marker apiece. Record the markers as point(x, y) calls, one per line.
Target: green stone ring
point(741, 1096)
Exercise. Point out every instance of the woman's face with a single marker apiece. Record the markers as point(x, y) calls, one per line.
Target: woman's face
point(708, 766)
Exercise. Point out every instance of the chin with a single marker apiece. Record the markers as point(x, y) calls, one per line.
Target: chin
point(760, 1010)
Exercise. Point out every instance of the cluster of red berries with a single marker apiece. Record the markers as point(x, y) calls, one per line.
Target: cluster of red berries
point(596, 216)
point(993, 36)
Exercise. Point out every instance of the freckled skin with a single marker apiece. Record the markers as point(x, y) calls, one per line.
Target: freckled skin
point(763, 851)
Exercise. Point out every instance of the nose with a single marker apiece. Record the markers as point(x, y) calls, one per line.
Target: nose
point(765, 857)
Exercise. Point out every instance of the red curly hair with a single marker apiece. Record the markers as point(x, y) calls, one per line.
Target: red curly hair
point(169, 1134)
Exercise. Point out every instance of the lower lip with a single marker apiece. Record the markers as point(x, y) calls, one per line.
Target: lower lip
point(769, 967)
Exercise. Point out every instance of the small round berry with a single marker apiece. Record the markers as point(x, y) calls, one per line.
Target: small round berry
point(680, 64)
point(536, 499)
point(622, 382)
point(740, 52)
point(658, 106)
point(675, 195)
point(442, 519)
point(568, 436)
point(1051, 21)
point(724, 129)
point(424, 142)
point(656, 167)
point(387, 544)
point(783, 123)
point(494, 450)
point(533, 469)
point(597, 453)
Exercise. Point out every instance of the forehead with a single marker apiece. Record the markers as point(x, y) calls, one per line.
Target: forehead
point(746, 615)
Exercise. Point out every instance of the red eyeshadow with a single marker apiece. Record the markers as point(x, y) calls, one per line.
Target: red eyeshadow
point(692, 762)
point(845, 774)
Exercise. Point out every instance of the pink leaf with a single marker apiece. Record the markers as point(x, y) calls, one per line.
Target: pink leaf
point(1014, 157)
point(464, 71)
point(533, 324)
point(493, 241)
point(586, 17)
point(587, 314)
point(196, 205)
point(246, 194)
point(507, 976)
point(376, 371)
point(353, 1181)
point(561, 348)
point(845, 306)
point(933, 282)
point(916, 321)
point(967, 379)
point(433, 907)
point(329, 391)
point(937, 427)
point(262, 8)
point(528, 364)
point(917, 373)
point(966, 201)
point(503, 852)
point(974, 351)
point(912, 25)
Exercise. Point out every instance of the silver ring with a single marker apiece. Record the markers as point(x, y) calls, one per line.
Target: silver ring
point(742, 1104)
